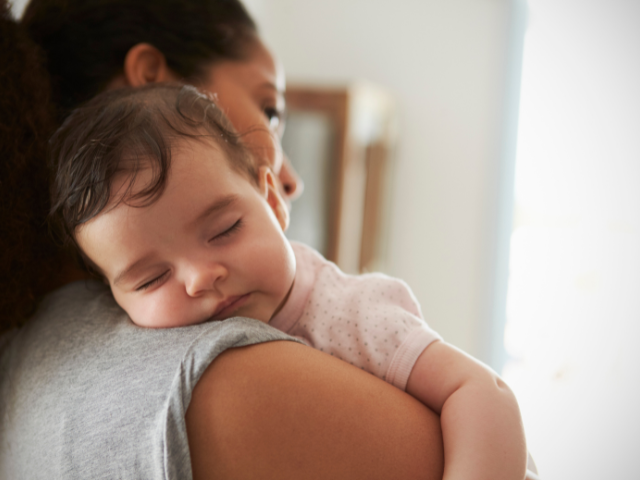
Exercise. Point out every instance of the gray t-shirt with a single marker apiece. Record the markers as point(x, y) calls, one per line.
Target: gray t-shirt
point(84, 393)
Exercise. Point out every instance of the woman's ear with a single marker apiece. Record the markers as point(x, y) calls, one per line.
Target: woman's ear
point(145, 64)
point(271, 193)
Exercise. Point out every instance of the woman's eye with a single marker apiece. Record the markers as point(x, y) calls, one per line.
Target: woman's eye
point(229, 231)
point(153, 282)
point(274, 116)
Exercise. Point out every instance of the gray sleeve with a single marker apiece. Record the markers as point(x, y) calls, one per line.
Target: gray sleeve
point(84, 393)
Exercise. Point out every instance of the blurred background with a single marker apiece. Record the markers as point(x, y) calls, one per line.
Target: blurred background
point(509, 197)
point(514, 205)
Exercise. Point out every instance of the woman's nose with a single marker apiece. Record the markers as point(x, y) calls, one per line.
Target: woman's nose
point(291, 182)
point(204, 278)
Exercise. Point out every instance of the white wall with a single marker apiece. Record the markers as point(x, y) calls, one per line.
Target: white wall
point(17, 6)
point(445, 61)
point(574, 300)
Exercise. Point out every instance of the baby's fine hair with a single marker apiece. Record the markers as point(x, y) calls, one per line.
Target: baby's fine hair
point(121, 132)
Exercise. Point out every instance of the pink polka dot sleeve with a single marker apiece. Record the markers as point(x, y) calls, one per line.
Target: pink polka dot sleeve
point(371, 321)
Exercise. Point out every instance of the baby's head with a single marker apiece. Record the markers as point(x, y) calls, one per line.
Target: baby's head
point(162, 199)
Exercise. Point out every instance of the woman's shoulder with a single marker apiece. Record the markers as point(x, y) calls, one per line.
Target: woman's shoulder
point(76, 301)
point(80, 370)
point(82, 326)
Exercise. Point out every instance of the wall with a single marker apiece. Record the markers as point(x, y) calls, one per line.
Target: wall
point(17, 6)
point(573, 305)
point(445, 61)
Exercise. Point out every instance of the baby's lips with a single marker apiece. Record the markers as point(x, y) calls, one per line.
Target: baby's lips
point(227, 306)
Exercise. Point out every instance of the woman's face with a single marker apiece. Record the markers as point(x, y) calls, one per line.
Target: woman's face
point(251, 93)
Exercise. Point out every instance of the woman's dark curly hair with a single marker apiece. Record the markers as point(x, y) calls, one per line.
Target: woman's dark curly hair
point(28, 258)
point(86, 41)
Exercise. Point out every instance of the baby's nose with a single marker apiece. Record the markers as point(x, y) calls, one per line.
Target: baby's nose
point(204, 278)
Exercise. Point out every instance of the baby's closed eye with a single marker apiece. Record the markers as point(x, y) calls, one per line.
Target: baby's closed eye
point(227, 232)
point(152, 283)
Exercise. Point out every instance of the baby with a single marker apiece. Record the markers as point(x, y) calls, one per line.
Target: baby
point(162, 199)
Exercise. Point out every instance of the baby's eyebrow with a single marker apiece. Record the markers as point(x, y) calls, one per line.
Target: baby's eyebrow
point(127, 271)
point(215, 207)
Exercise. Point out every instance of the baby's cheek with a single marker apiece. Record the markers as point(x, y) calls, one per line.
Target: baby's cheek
point(161, 310)
point(144, 313)
point(280, 272)
point(149, 311)
point(127, 303)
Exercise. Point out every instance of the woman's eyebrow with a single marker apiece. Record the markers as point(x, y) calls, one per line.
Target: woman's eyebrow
point(214, 208)
point(269, 85)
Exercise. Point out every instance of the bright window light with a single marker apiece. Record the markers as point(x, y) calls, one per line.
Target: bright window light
point(573, 309)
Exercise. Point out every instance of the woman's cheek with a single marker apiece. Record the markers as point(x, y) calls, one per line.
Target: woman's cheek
point(263, 142)
point(265, 147)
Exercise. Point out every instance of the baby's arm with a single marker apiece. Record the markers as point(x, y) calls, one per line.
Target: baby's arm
point(481, 424)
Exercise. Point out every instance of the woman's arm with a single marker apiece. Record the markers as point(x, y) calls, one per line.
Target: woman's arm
point(283, 411)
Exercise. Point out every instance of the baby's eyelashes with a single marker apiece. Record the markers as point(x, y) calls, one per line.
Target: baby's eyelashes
point(227, 232)
point(152, 283)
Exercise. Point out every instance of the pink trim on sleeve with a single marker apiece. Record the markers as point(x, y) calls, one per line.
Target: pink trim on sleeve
point(407, 355)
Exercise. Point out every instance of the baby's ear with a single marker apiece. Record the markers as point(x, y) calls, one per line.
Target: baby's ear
point(271, 193)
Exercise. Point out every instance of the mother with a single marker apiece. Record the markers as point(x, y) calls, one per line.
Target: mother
point(84, 393)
